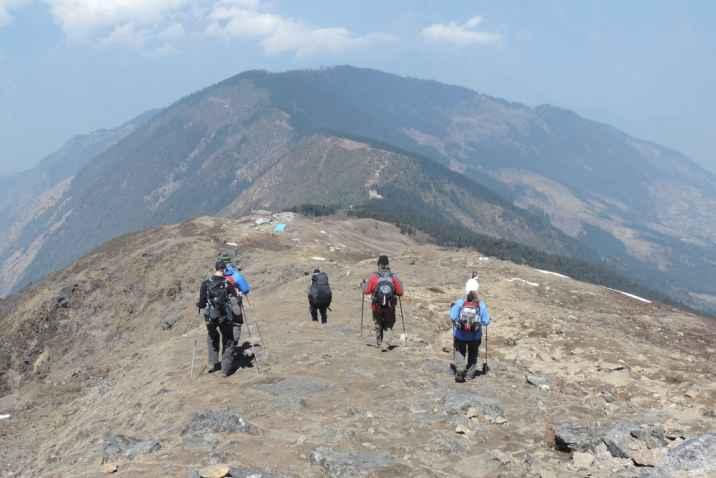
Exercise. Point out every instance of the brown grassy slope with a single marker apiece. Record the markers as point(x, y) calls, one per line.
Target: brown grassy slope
point(105, 364)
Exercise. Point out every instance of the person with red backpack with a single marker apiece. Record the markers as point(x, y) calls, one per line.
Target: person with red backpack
point(385, 288)
point(468, 315)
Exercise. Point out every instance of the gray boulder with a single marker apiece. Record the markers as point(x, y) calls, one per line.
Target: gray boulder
point(619, 438)
point(696, 456)
point(114, 445)
point(571, 437)
point(651, 436)
point(537, 380)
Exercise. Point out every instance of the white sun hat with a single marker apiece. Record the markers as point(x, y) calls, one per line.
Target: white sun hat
point(472, 286)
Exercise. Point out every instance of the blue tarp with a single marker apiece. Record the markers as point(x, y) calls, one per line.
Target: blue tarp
point(279, 228)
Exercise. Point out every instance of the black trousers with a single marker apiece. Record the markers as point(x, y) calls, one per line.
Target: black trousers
point(227, 334)
point(314, 308)
point(466, 350)
point(384, 319)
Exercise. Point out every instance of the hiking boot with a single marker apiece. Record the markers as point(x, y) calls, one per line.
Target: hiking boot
point(460, 377)
point(216, 367)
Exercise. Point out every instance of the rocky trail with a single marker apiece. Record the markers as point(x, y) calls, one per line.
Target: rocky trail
point(583, 381)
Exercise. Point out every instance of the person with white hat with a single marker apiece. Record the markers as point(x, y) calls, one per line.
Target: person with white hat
point(468, 315)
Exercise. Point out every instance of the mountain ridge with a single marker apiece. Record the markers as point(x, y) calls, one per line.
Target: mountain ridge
point(642, 208)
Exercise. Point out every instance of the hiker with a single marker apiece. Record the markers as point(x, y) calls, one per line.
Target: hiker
point(319, 296)
point(222, 312)
point(468, 315)
point(384, 287)
point(233, 274)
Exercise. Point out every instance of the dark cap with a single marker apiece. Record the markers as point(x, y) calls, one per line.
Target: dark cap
point(316, 270)
point(220, 265)
point(383, 260)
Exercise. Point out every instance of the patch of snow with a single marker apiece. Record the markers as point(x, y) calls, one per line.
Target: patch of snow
point(373, 194)
point(553, 274)
point(323, 232)
point(517, 279)
point(318, 258)
point(483, 259)
point(632, 296)
point(232, 244)
point(4, 417)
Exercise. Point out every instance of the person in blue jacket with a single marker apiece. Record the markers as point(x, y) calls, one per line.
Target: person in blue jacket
point(468, 315)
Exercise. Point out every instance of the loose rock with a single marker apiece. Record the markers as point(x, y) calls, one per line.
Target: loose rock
point(215, 471)
point(696, 456)
point(648, 457)
point(537, 381)
point(109, 468)
point(582, 460)
point(574, 437)
point(619, 439)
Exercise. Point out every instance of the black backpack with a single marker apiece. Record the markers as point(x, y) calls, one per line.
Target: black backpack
point(384, 295)
point(217, 295)
point(320, 289)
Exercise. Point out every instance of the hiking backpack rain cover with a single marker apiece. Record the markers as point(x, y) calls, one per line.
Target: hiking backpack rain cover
point(384, 295)
point(320, 289)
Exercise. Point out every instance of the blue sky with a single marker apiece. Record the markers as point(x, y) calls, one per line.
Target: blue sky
point(72, 66)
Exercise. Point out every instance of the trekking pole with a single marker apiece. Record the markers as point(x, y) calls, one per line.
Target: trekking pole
point(402, 318)
point(251, 342)
point(485, 367)
point(362, 304)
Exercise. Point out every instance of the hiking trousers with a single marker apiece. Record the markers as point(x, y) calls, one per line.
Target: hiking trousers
point(315, 309)
point(226, 333)
point(466, 351)
point(384, 319)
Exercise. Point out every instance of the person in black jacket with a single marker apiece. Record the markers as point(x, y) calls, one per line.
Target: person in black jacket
point(319, 296)
point(222, 324)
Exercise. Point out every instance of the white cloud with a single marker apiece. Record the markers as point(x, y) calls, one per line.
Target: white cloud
point(279, 34)
point(139, 24)
point(161, 24)
point(463, 34)
point(6, 6)
point(83, 17)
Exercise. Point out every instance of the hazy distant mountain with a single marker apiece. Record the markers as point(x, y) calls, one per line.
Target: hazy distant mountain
point(27, 195)
point(230, 149)
point(346, 136)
